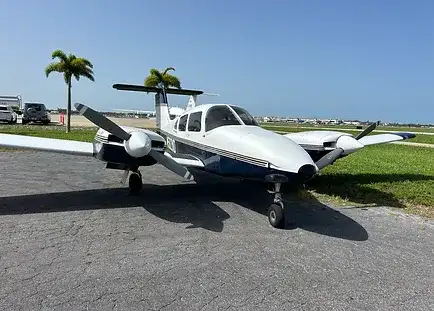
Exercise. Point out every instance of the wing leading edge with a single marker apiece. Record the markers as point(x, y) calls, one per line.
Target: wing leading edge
point(47, 144)
point(328, 140)
point(385, 138)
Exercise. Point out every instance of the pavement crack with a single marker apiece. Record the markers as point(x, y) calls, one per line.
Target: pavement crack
point(209, 302)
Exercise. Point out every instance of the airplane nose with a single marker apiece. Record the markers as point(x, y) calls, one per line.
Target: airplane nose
point(307, 172)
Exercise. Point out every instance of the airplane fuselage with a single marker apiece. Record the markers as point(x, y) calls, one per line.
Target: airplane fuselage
point(225, 146)
point(216, 139)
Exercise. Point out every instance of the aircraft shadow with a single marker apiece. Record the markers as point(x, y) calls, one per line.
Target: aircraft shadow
point(192, 203)
point(354, 187)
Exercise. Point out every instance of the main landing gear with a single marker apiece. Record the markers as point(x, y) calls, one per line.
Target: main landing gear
point(276, 211)
point(135, 183)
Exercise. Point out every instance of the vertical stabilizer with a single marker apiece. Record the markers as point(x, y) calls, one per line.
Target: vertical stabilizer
point(192, 102)
point(161, 103)
point(161, 110)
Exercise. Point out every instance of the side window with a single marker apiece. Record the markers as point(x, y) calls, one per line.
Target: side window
point(175, 127)
point(194, 122)
point(182, 122)
point(220, 116)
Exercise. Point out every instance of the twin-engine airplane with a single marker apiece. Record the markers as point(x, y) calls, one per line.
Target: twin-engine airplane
point(217, 138)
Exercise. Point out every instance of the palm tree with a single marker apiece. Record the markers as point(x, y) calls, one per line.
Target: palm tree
point(70, 65)
point(156, 77)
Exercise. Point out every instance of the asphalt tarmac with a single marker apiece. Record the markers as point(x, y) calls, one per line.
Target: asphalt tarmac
point(72, 239)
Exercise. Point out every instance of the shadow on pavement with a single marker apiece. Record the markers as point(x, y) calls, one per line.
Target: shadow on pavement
point(191, 203)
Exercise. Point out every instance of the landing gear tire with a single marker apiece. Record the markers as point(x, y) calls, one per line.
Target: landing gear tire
point(276, 216)
point(276, 211)
point(135, 183)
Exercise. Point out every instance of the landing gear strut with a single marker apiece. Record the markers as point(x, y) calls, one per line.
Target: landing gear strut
point(135, 182)
point(276, 211)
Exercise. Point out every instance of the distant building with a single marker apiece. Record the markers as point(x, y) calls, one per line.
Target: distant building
point(14, 101)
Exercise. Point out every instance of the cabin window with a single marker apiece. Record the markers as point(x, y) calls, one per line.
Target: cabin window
point(245, 116)
point(220, 116)
point(182, 122)
point(194, 122)
point(175, 127)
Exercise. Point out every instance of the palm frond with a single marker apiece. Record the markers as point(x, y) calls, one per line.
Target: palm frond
point(60, 55)
point(85, 61)
point(80, 67)
point(170, 80)
point(152, 81)
point(71, 57)
point(168, 69)
point(88, 75)
point(57, 67)
point(155, 72)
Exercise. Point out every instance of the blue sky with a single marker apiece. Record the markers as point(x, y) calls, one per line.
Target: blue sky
point(339, 59)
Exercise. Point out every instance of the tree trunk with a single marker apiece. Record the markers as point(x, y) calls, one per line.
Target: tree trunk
point(68, 110)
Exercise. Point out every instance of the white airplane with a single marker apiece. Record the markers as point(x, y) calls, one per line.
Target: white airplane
point(216, 138)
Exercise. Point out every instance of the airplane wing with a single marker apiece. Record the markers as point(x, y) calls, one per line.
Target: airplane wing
point(385, 138)
point(329, 140)
point(325, 147)
point(47, 144)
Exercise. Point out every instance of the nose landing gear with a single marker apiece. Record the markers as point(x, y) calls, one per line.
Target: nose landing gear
point(276, 211)
point(135, 183)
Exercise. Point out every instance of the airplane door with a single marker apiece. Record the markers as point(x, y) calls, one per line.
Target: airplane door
point(194, 126)
point(195, 133)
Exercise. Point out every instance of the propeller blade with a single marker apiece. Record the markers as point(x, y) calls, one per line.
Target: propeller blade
point(368, 130)
point(171, 165)
point(329, 158)
point(101, 121)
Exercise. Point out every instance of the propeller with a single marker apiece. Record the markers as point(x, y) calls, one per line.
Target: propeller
point(367, 130)
point(345, 143)
point(137, 144)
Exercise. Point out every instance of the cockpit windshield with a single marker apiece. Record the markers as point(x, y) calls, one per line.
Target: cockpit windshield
point(220, 116)
point(245, 116)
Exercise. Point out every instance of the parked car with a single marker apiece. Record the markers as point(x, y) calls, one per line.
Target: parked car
point(36, 112)
point(7, 114)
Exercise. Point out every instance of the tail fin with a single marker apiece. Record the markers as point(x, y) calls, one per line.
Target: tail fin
point(161, 102)
point(192, 102)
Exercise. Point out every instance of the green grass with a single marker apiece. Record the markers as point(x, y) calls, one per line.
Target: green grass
point(383, 128)
point(81, 134)
point(391, 175)
point(420, 138)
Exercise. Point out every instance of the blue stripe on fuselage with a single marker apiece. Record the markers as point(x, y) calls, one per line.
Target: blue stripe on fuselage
point(223, 165)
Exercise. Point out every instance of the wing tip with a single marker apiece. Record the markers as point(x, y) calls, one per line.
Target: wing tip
point(405, 135)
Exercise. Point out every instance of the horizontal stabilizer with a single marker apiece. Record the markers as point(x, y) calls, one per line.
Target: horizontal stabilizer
point(47, 144)
point(385, 138)
point(140, 88)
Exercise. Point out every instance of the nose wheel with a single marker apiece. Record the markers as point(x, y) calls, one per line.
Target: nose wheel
point(276, 211)
point(135, 183)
